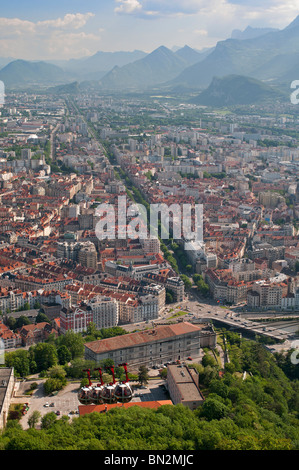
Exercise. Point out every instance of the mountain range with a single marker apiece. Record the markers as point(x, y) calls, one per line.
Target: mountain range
point(97, 65)
point(157, 67)
point(250, 32)
point(262, 57)
point(265, 54)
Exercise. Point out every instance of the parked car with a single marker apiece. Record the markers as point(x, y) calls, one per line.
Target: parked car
point(46, 404)
point(57, 412)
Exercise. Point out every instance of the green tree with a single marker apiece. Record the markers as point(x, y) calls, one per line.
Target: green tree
point(20, 361)
point(45, 356)
point(57, 379)
point(64, 355)
point(41, 317)
point(48, 420)
point(213, 409)
point(52, 385)
point(21, 321)
point(91, 330)
point(57, 372)
point(34, 419)
point(11, 323)
point(74, 370)
point(111, 332)
point(208, 360)
point(186, 281)
point(74, 343)
point(202, 287)
point(143, 376)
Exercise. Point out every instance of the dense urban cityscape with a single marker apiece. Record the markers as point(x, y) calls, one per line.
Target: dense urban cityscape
point(201, 334)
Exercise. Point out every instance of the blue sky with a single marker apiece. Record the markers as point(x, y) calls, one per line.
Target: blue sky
point(65, 29)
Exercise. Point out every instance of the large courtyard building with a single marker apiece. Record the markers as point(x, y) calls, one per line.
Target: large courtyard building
point(152, 347)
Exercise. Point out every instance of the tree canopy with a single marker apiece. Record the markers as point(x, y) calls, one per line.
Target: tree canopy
point(258, 410)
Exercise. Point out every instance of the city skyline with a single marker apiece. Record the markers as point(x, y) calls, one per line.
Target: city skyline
point(74, 29)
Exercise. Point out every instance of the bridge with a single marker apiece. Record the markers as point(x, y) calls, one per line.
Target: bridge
point(247, 326)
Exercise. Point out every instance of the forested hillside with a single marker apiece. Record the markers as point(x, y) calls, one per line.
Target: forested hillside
point(253, 411)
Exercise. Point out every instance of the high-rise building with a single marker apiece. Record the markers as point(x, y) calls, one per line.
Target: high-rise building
point(88, 256)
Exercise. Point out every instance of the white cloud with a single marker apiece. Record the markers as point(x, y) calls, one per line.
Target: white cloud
point(128, 6)
point(201, 32)
point(163, 8)
point(269, 11)
point(70, 20)
point(11, 26)
point(71, 44)
point(56, 38)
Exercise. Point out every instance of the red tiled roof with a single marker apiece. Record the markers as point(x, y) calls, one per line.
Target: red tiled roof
point(86, 409)
point(140, 337)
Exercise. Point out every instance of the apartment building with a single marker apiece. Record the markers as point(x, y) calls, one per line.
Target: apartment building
point(75, 319)
point(88, 256)
point(267, 294)
point(8, 339)
point(66, 250)
point(224, 287)
point(270, 199)
point(134, 309)
point(150, 245)
point(15, 299)
point(172, 283)
point(33, 283)
point(129, 286)
point(105, 311)
point(33, 334)
point(135, 272)
point(107, 308)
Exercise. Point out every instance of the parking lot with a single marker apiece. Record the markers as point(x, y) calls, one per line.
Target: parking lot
point(66, 401)
point(154, 391)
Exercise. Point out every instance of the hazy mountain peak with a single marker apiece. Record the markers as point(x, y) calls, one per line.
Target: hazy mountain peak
point(268, 56)
point(235, 90)
point(162, 49)
point(22, 71)
point(250, 32)
point(294, 24)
